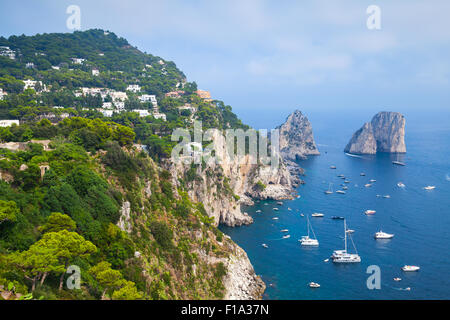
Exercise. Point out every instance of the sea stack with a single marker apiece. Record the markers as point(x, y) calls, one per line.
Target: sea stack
point(385, 133)
point(296, 137)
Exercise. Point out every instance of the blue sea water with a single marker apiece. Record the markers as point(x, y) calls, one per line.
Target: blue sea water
point(419, 219)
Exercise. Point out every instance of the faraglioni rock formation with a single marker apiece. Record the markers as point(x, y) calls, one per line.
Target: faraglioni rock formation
point(296, 137)
point(385, 133)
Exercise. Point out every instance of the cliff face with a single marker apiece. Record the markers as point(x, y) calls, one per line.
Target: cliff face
point(385, 133)
point(222, 187)
point(296, 137)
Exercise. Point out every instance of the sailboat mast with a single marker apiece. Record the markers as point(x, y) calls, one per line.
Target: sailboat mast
point(345, 236)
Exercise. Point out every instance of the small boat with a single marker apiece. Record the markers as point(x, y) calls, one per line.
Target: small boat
point(326, 260)
point(341, 176)
point(367, 185)
point(276, 209)
point(287, 236)
point(306, 240)
point(362, 174)
point(386, 196)
point(397, 279)
point(346, 181)
point(298, 197)
point(266, 204)
point(344, 188)
point(350, 231)
point(429, 187)
point(289, 209)
point(407, 268)
point(285, 230)
point(340, 191)
point(279, 203)
point(372, 180)
point(332, 167)
point(276, 218)
point(408, 289)
point(378, 195)
point(330, 189)
point(265, 245)
point(398, 163)
point(401, 185)
point(317, 215)
point(337, 218)
point(383, 235)
point(369, 212)
point(302, 215)
point(313, 285)
point(258, 211)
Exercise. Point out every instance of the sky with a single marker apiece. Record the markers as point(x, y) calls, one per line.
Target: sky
point(267, 58)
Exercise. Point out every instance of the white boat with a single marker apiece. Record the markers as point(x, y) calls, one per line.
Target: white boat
point(266, 204)
point(342, 256)
point(330, 189)
point(302, 215)
point(276, 209)
point(429, 187)
point(285, 230)
point(344, 188)
point(298, 197)
point(326, 260)
point(372, 180)
point(367, 185)
point(340, 191)
point(332, 167)
point(306, 240)
point(286, 236)
point(276, 218)
point(362, 174)
point(346, 181)
point(383, 235)
point(289, 209)
point(279, 203)
point(258, 211)
point(401, 185)
point(350, 231)
point(317, 215)
point(407, 268)
point(386, 196)
point(313, 285)
point(369, 212)
point(265, 245)
point(341, 176)
point(397, 279)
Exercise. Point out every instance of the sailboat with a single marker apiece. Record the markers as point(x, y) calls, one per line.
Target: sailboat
point(398, 163)
point(306, 240)
point(330, 189)
point(342, 256)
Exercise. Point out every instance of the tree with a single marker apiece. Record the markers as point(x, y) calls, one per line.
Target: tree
point(127, 292)
point(108, 278)
point(124, 135)
point(8, 211)
point(57, 222)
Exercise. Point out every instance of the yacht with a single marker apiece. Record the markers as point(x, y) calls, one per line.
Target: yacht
point(362, 174)
point(341, 176)
point(369, 212)
point(344, 188)
point(330, 189)
point(313, 285)
point(317, 215)
point(340, 191)
point(372, 180)
point(276, 209)
point(306, 240)
point(276, 218)
point(265, 245)
point(346, 181)
point(397, 279)
point(342, 256)
point(286, 236)
point(407, 268)
point(401, 185)
point(367, 185)
point(350, 231)
point(386, 196)
point(430, 187)
point(285, 230)
point(383, 235)
point(398, 163)
point(258, 211)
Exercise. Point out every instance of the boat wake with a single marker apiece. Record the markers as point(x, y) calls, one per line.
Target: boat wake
point(447, 177)
point(354, 155)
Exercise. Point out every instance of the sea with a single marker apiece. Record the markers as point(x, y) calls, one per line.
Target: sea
point(419, 219)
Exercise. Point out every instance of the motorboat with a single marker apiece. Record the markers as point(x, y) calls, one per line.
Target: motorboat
point(332, 167)
point(265, 245)
point(279, 203)
point(258, 211)
point(401, 185)
point(344, 188)
point(383, 235)
point(350, 231)
point(386, 196)
point(397, 279)
point(276, 218)
point(429, 187)
point(285, 230)
point(313, 285)
point(276, 209)
point(317, 215)
point(369, 212)
point(346, 181)
point(372, 180)
point(407, 268)
point(343, 256)
point(337, 218)
point(362, 174)
point(287, 236)
point(340, 191)
point(367, 185)
point(307, 240)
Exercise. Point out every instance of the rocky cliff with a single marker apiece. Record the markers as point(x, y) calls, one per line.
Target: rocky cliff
point(223, 186)
point(296, 137)
point(385, 133)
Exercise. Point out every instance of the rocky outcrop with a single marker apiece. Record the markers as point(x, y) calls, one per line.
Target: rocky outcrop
point(124, 222)
point(296, 137)
point(224, 185)
point(385, 133)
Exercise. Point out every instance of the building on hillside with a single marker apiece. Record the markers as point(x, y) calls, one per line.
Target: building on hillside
point(8, 123)
point(78, 60)
point(2, 94)
point(159, 116)
point(29, 65)
point(142, 112)
point(105, 113)
point(174, 94)
point(7, 52)
point(120, 106)
point(189, 107)
point(148, 97)
point(134, 88)
point(56, 67)
point(118, 95)
point(95, 72)
point(31, 84)
point(205, 95)
point(107, 105)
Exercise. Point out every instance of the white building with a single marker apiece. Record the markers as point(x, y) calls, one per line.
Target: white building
point(8, 123)
point(29, 65)
point(159, 116)
point(2, 94)
point(31, 84)
point(106, 113)
point(134, 88)
point(142, 112)
point(120, 106)
point(118, 96)
point(7, 52)
point(55, 67)
point(148, 97)
point(95, 72)
point(107, 105)
point(78, 60)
